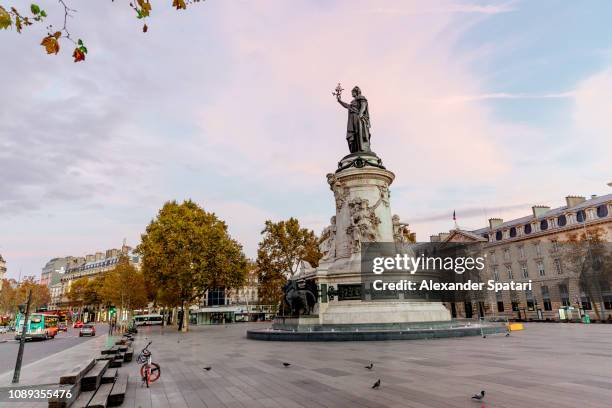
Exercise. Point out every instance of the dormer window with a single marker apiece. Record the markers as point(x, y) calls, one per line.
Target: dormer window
point(498, 236)
point(512, 232)
point(580, 216)
point(527, 228)
point(543, 225)
point(602, 211)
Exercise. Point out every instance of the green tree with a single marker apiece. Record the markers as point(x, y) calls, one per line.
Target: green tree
point(187, 251)
point(124, 287)
point(76, 292)
point(285, 245)
point(17, 17)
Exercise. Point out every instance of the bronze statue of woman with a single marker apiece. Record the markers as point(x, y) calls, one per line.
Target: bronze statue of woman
point(358, 126)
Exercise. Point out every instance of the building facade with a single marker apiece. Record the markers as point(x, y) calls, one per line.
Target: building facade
point(534, 248)
point(89, 266)
point(221, 306)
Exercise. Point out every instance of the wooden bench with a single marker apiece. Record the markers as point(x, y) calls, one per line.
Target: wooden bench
point(91, 380)
point(115, 364)
point(117, 394)
point(64, 401)
point(100, 400)
point(110, 350)
point(109, 376)
point(75, 376)
point(83, 400)
point(128, 355)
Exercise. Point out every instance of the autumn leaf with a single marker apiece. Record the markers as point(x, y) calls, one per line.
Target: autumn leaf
point(5, 18)
point(51, 44)
point(78, 55)
point(179, 4)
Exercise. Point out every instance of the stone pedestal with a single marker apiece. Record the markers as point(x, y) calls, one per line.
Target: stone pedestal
point(363, 214)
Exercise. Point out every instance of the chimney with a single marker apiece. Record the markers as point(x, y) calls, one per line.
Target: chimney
point(99, 256)
point(495, 222)
point(593, 196)
point(434, 238)
point(443, 236)
point(573, 201)
point(539, 210)
point(90, 258)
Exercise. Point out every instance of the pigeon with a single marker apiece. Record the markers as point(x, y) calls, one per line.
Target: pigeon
point(508, 334)
point(286, 364)
point(484, 336)
point(369, 367)
point(479, 396)
point(376, 384)
point(207, 368)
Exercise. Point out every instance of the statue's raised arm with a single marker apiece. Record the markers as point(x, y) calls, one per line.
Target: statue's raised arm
point(358, 126)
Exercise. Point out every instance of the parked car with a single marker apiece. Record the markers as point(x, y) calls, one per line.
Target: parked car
point(78, 324)
point(62, 327)
point(87, 330)
point(4, 329)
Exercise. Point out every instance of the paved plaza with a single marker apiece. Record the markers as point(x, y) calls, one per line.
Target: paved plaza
point(547, 365)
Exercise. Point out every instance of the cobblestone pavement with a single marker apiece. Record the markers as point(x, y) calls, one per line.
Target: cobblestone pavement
point(547, 365)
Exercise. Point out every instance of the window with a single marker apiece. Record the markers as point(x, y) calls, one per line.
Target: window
point(522, 251)
point(493, 258)
point(555, 245)
point(564, 294)
point(538, 249)
point(586, 303)
point(607, 302)
point(546, 298)
point(495, 274)
point(509, 271)
point(525, 271)
point(558, 266)
point(602, 211)
point(530, 301)
point(541, 271)
point(216, 297)
point(543, 225)
point(562, 221)
point(506, 254)
point(498, 236)
point(500, 306)
point(527, 229)
point(515, 306)
point(512, 232)
point(580, 216)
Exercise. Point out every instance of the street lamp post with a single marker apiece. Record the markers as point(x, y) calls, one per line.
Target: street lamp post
point(17, 372)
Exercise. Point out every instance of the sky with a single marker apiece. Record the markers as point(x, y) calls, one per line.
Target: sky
point(483, 108)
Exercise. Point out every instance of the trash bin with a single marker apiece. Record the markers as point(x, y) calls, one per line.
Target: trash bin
point(586, 319)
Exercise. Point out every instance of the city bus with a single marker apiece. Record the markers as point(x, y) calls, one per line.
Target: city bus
point(40, 326)
point(148, 320)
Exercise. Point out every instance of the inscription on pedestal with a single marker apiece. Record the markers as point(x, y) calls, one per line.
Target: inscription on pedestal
point(349, 292)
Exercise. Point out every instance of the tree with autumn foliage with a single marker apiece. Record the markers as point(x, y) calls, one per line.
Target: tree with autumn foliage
point(19, 18)
point(588, 256)
point(40, 293)
point(187, 251)
point(8, 296)
point(283, 249)
point(123, 287)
